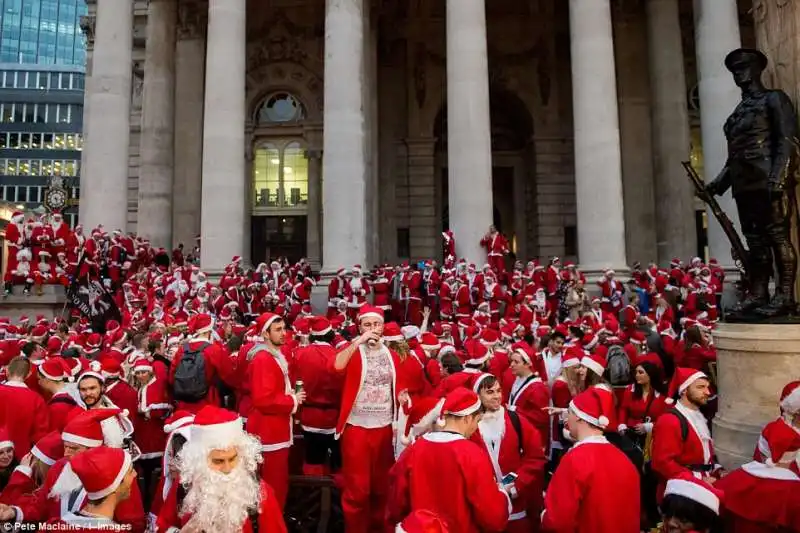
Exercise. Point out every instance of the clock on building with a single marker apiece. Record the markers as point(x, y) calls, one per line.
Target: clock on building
point(55, 199)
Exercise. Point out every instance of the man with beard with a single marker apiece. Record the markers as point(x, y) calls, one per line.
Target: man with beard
point(219, 466)
point(117, 430)
point(681, 437)
point(107, 476)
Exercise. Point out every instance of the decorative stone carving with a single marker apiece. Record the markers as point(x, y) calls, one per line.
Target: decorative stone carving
point(291, 77)
point(137, 87)
point(192, 19)
point(283, 41)
point(87, 24)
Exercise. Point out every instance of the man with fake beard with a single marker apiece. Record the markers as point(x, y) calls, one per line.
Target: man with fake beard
point(219, 465)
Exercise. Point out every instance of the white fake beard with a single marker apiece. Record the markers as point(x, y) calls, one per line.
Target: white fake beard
point(219, 502)
point(493, 424)
point(355, 284)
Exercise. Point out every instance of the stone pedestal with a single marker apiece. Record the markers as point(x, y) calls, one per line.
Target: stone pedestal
point(755, 362)
point(50, 304)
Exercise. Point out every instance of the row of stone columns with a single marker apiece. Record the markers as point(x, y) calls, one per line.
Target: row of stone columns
point(598, 175)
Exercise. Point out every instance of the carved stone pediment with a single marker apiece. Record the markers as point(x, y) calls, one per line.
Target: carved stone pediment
point(283, 40)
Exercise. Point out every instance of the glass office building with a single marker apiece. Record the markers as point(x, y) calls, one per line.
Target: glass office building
point(42, 62)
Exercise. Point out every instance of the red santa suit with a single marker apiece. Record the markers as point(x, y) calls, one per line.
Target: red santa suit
point(24, 414)
point(323, 389)
point(777, 491)
point(584, 492)
point(382, 292)
point(496, 249)
point(154, 408)
point(432, 280)
point(335, 293)
point(372, 382)
point(530, 397)
point(463, 301)
point(270, 513)
point(446, 300)
point(270, 415)
point(472, 503)
point(60, 405)
point(218, 366)
point(412, 283)
point(673, 455)
point(612, 292)
point(522, 455)
point(356, 291)
point(15, 240)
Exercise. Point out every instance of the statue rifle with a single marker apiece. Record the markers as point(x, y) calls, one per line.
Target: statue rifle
point(727, 226)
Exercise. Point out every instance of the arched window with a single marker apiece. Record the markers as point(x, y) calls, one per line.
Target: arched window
point(280, 108)
point(280, 176)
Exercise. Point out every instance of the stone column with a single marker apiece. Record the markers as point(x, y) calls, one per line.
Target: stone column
point(190, 57)
point(598, 168)
point(314, 216)
point(422, 195)
point(716, 26)
point(675, 221)
point(222, 227)
point(158, 121)
point(469, 143)
point(344, 195)
point(104, 176)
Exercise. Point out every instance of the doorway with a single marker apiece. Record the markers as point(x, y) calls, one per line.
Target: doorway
point(278, 236)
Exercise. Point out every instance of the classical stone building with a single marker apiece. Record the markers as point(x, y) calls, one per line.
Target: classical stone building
point(355, 131)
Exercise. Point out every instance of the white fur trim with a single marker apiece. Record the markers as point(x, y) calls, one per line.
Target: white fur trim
point(479, 361)
point(399, 529)
point(218, 434)
point(66, 482)
point(6, 444)
point(525, 357)
point(600, 422)
point(369, 315)
point(24, 470)
point(48, 376)
point(442, 437)
point(478, 382)
point(394, 338)
point(179, 423)
point(691, 379)
point(323, 332)
point(763, 471)
point(693, 491)
point(269, 322)
point(126, 466)
point(92, 374)
point(83, 441)
point(593, 365)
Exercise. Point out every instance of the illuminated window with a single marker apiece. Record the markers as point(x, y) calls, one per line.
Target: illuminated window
point(281, 108)
point(280, 176)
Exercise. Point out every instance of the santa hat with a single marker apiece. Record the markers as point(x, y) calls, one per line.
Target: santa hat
point(430, 342)
point(320, 326)
point(85, 428)
point(216, 427)
point(39, 333)
point(53, 369)
point(410, 331)
point(778, 443)
point(142, 365)
point(477, 354)
point(422, 521)
point(110, 367)
point(571, 358)
point(588, 406)
point(681, 380)
point(265, 320)
point(49, 448)
point(392, 333)
point(524, 350)
point(595, 362)
point(422, 414)
point(179, 423)
point(696, 490)
point(489, 337)
point(99, 472)
point(92, 372)
point(479, 378)
point(790, 398)
point(94, 341)
point(461, 402)
point(201, 323)
point(369, 311)
point(5, 439)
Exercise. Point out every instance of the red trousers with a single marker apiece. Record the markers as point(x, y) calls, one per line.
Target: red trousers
point(275, 471)
point(367, 456)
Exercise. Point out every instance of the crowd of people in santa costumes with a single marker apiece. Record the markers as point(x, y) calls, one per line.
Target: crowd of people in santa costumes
point(533, 403)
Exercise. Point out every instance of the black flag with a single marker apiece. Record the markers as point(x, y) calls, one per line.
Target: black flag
point(92, 300)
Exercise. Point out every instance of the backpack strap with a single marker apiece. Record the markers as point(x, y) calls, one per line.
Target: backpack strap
point(516, 423)
point(682, 421)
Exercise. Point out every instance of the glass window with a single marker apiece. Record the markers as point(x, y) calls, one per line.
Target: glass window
point(3, 140)
point(36, 167)
point(25, 140)
point(47, 141)
point(2, 167)
point(22, 194)
point(11, 167)
point(58, 141)
point(295, 176)
point(281, 108)
point(36, 140)
point(24, 167)
point(266, 178)
point(13, 140)
point(33, 194)
point(70, 168)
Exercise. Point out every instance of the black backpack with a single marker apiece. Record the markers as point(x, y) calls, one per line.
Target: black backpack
point(190, 384)
point(618, 366)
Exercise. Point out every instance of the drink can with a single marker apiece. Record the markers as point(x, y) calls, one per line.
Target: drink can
point(298, 385)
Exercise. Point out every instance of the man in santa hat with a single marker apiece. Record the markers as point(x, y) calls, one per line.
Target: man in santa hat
point(584, 493)
point(218, 365)
point(774, 484)
point(323, 388)
point(219, 468)
point(274, 402)
point(15, 240)
point(790, 417)
point(681, 438)
point(515, 449)
point(694, 506)
point(612, 291)
point(473, 501)
point(118, 430)
point(22, 411)
point(64, 397)
point(372, 390)
point(496, 246)
point(525, 391)
point(107, 476)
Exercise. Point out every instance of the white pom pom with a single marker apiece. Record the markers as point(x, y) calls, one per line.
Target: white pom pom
point(603, 421)
point(669, 401)
point(404, 439)
point(440, 423)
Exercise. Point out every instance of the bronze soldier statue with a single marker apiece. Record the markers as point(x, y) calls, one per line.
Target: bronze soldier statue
point(762, 160)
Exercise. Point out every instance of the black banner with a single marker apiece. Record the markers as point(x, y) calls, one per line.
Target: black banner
point(92, 300)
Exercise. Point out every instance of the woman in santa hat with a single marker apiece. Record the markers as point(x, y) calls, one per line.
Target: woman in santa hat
point(691, 505)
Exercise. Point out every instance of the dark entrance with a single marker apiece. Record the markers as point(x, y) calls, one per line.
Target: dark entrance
point(278, 236)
